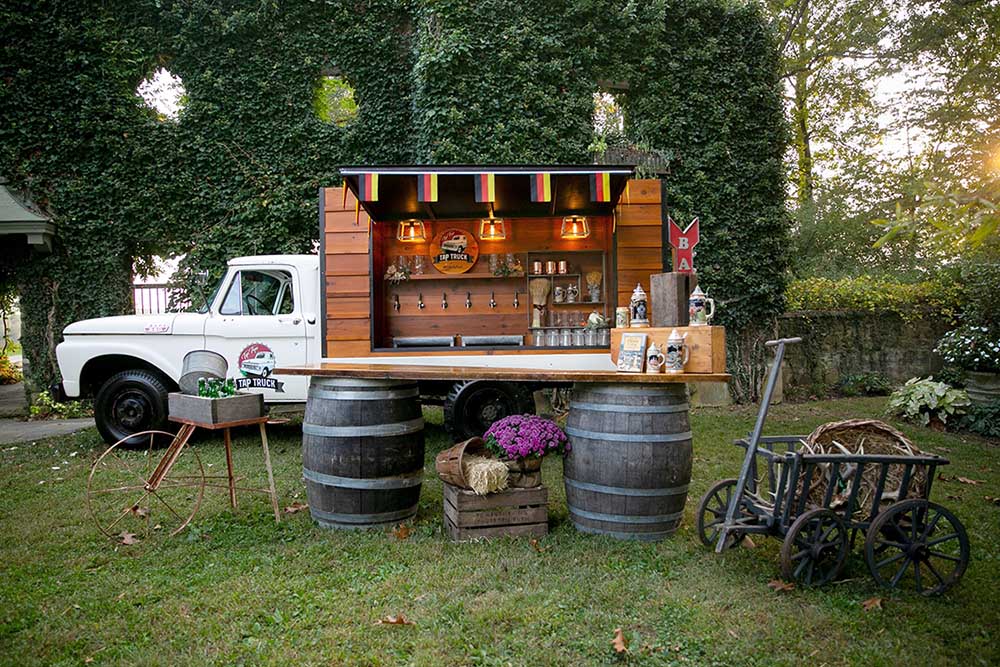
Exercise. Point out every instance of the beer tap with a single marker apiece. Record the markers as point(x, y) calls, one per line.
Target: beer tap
point(516, 302)
point(493, 301)
point(468, 300)
point(444, 301)
point(395, 302)
point(420, 301)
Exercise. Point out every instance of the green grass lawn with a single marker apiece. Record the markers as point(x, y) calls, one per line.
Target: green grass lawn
point(236, 589)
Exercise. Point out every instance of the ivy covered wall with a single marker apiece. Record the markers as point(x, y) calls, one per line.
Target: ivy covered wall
point(436, 81)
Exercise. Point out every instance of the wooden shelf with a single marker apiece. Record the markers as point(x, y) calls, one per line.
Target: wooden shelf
point(553, 275)
point(458, 276)
point(578, 303)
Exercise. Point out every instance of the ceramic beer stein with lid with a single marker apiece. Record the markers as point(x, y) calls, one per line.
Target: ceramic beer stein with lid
point(675, 353)
point(701, 308)
point(654, 359)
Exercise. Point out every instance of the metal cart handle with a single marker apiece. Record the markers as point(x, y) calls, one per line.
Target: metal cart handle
point(787, 341)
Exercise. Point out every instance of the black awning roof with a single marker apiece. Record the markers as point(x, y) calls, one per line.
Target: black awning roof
point(397, 190)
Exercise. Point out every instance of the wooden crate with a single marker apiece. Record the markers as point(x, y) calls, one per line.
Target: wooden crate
point(205, 410)
point(518, 512)
point(708, 345)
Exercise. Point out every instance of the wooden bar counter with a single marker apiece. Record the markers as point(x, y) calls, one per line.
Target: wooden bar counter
point(626, 474)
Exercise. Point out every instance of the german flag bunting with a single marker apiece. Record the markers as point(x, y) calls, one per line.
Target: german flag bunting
point(541, 187)
point(368, 187)
point(485, 187)
point(600, 187)
point(427, 187)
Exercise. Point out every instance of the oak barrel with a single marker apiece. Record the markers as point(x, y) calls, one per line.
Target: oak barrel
point(362, 451)
point(629, 465)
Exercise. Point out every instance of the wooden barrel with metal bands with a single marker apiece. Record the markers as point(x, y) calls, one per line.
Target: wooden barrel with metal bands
point(362, 451)
point(629, 466)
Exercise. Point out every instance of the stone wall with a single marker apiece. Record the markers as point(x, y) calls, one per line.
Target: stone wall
point(838, 344)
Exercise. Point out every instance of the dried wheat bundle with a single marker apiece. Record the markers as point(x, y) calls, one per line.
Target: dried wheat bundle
point(855, 437)
point(593, 279)
point(484, 475)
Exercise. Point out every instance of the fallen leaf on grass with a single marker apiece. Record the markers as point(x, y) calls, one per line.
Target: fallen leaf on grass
point(619, 644)
point(991, 499)
point(944, 478)
point(120, 596)
point(141, 512)
point(296, 507)
point(401, 532)
point(780, 586)
point(536, 546)
point(395, 620)
point(747, 543)
point(966, 480)
point(872, 603)
point(732, 633)
point(127, 538)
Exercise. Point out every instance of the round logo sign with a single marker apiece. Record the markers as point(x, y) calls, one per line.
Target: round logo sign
point(454, 251)
point(256, 360)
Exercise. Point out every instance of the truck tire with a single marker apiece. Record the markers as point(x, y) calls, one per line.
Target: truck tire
point(129, 402)
point(471, 407)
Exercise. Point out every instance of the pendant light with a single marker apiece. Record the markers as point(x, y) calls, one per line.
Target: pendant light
point(492, 229)
point(575, 227)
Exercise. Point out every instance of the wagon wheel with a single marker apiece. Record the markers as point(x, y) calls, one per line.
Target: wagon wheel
point(121, 500)
point(921, 536)
point(711, 514)
point(815, 548)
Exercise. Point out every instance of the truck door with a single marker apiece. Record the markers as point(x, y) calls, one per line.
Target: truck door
point(257, 325)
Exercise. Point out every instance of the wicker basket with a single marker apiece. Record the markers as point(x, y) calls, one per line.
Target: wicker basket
point(449, 462)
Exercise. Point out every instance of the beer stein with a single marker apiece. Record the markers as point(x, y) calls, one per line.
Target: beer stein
point(676, 353)
point(701, 308)
point(654, 359)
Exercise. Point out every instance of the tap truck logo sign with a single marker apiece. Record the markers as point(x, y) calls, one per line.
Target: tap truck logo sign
point(256, 363)
point(454, 251)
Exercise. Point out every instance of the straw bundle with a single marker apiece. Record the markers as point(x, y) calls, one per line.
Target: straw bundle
point(854, 437)
point(593, 279)
point(484, 475)
point(539, 288)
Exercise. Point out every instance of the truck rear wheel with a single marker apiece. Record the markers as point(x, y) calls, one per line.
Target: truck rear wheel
point(471, 407)
point(129, 402)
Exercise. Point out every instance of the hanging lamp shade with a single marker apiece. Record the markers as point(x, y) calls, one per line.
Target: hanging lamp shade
point(411, 231)
point(575, 227)
point(492, 229)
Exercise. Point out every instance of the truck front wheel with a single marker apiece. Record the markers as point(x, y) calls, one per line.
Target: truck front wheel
point(471, 407)
point(129, 402)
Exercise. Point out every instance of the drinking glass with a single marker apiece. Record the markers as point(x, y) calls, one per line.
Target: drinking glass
point(552, 338)
point(419, 264)
point(578, 338)
point(566, 338)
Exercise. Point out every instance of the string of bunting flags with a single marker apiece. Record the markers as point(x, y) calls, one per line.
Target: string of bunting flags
point(485, 186)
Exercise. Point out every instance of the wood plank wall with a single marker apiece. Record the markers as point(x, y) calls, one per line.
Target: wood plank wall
point(346, 275)
point(640, 237)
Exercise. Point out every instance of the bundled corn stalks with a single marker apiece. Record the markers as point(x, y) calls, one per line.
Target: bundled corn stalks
point(855, 437)
point(483, 474)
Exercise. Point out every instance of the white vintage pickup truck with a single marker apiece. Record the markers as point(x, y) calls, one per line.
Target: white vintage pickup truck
point(264, 313)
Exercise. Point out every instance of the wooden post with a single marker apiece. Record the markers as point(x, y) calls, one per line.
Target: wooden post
point(270, 473)
point(669, 295)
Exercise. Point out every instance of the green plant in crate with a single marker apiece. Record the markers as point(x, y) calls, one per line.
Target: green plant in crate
point(865, 384)
point(983, 419)
point(923, 399)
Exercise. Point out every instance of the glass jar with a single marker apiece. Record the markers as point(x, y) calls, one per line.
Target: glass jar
point(578, 338)
point(552, 338)
point(604, 337)
point(590, 338)
point(566, 338)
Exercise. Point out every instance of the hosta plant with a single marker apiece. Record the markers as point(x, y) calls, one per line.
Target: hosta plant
point(924, 399)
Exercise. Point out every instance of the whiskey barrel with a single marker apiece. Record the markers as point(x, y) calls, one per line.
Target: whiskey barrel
point(362, 451)
point(629, 465)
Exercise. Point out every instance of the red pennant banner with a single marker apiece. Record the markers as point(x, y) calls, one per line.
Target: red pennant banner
point(683, 243)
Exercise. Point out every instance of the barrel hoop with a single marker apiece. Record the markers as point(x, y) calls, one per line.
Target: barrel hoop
point(355, 382)
point(626, 518)
point(626, 409)
point(626, 491)
point(620, 391)
point(625, 437)
point(338, 395)
point(645, 537)
point(361, 519)
point(414, 478)
point(396, 428)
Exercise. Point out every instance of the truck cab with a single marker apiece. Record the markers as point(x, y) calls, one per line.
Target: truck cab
point(263, 313)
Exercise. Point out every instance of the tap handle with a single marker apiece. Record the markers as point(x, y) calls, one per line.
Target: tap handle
point(468, 299)
point(444, 301)
point(420, 301)
point(493, 300)
point(516, 302)
point(395, 302)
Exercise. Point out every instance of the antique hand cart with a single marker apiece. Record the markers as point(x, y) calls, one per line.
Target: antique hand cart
point(816, 504)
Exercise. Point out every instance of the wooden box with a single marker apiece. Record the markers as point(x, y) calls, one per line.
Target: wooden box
point(707, 345)
point(518, 512)
point(203, 410)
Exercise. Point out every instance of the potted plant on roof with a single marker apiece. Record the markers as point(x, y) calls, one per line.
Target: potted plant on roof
point(521, 441)
point(976, 350)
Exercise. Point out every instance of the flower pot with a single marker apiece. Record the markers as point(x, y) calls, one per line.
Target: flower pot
point(524, 473)
point(982, 387)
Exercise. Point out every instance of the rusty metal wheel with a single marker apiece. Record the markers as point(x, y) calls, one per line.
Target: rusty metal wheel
point(815, 548)
point(122, 500)
point(921, 536)
point(711, 514)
